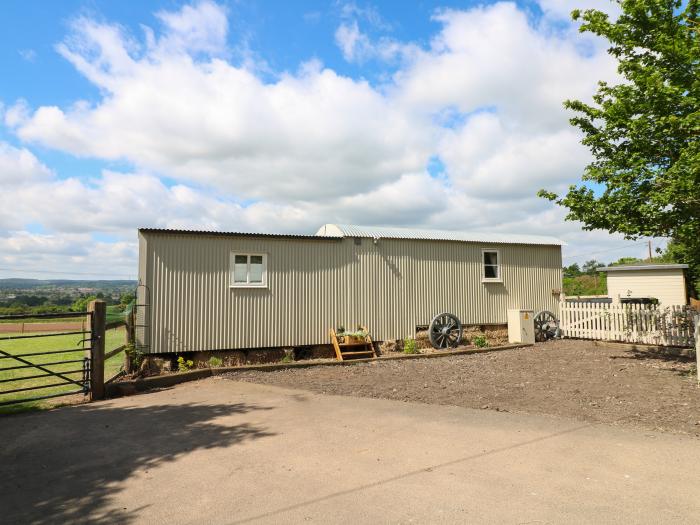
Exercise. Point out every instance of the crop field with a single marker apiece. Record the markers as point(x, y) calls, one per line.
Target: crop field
point(114, 339)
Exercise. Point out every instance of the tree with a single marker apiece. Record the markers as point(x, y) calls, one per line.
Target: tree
point(677, 252)
point(626, 260)
point(127, 298)
point(572, 271)
point(591, 267)
point(644, 132)
point(585, 284)
point(80, 305)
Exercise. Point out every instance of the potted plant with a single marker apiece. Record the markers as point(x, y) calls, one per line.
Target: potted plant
point(358, 336)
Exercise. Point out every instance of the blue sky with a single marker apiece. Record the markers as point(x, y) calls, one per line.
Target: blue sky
point(282, 116)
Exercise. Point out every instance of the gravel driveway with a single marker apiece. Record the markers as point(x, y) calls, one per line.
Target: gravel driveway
point(567, 378)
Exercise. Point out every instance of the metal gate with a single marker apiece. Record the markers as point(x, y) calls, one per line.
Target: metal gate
point(17, 369)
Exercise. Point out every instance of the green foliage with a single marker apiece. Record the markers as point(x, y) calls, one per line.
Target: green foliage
point(288, 358)
point(572, 271)
point(480, 341)
point(644, 133)
point(80, 305)
point(17, 309)
point(586, 285)
point(585, 281)
point(135, 356)
point(625, 261)
point(591, 267)
point(215, 362)
point(184, 365)
point(114, 314)
point(680, 252)
point(127, 298)
point(410, 347)
point(359, 333)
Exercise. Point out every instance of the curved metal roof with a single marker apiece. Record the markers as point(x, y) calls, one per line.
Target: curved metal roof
point(171, 231)
point(379, 232)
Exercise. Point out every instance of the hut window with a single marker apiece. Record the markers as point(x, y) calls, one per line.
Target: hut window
point(491, 260)
point(249, 270)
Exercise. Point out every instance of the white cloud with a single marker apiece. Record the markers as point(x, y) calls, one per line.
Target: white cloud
point(493, 57)
point(313, 146)
point(487, 160)
point(305, 136)
point(352, 43)
point(197, 28)
point(66, 256)
point(19, 166)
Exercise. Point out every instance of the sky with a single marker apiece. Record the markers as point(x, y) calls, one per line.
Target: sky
point(276, 116)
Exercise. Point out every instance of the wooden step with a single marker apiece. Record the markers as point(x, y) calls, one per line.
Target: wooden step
point(340, 352)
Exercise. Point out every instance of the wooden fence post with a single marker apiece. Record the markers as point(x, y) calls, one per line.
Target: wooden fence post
point(97, 348)
point(697, 346)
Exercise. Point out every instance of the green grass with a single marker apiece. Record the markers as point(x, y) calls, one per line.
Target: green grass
point(114, 339)
point(114, 314)
point(43, 320)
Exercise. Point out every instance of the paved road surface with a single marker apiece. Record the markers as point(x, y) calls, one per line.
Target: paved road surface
point(219, 451)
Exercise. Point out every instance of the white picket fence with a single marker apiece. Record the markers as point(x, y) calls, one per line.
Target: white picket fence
point(648, 324)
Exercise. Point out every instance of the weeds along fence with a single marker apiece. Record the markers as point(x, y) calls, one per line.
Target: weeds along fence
point(631, 323)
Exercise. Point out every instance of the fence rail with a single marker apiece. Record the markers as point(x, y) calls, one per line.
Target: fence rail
point(632, 323)
point(38, 369)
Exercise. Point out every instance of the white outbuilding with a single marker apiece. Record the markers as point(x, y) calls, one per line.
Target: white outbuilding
point(641, 282)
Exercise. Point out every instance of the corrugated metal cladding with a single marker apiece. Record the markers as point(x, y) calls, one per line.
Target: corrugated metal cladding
point(313, 285)
point(382, 232)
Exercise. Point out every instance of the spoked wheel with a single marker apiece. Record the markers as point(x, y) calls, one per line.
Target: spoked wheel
point(445, 331)
point(546, 326)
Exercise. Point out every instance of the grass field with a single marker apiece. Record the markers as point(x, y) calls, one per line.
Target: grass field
point(114, 314)
point(114, 339)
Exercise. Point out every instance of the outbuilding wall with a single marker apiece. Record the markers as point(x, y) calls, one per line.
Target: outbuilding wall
point(390, 286)
point(668, 286)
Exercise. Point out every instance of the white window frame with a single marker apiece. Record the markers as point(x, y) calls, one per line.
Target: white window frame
point(248, 255)
point(499, 265)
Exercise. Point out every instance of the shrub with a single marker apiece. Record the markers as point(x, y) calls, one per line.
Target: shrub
point(184, 366)
point(480, 341)
point(215, 362)
point(135, 356)
point(410, 347)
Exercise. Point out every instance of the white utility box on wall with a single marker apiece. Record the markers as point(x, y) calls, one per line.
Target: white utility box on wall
point(521, 326)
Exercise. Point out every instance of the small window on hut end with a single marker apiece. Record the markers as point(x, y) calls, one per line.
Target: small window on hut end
point(490, 266)
point(248, 270)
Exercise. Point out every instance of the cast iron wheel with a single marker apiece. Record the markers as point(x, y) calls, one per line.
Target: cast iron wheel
point(445, 331)
point(546, 326)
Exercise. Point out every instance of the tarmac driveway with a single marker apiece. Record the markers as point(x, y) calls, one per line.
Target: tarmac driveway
point(221, 451)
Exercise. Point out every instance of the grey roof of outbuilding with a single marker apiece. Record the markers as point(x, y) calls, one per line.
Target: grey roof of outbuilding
point(643, 266)
point(381, 232)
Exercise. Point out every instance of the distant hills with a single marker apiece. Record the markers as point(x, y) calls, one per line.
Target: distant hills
point(14, 283)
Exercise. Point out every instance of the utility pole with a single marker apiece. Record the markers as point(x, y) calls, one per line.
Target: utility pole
point(649, 251)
